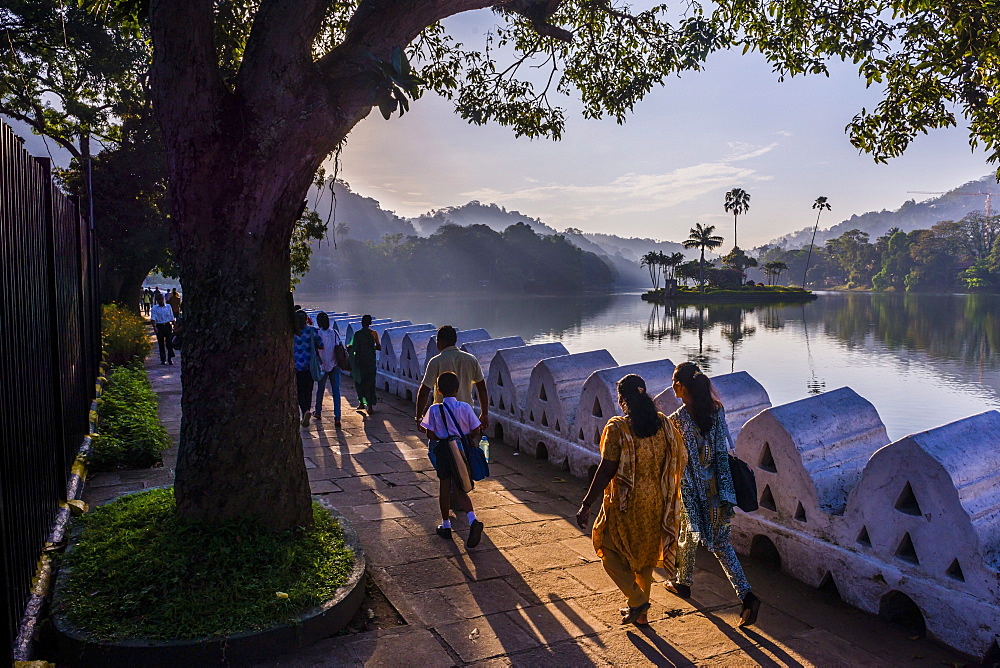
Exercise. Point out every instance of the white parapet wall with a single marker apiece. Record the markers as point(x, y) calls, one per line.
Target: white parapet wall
point(929, 505)
point(507, 383)
point(341, 321)
point(354, 326)
point(911, 525)
point(382, 326)
point(898, 527)
point(550, 403)
point(740, 393)
point(464, 336)
point(388, 361)
point(412, 361)
point(484, 351)
point(808, 455)
point(599, 402)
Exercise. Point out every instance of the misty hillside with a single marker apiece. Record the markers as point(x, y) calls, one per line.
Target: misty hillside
point(365, 217)
point(911, 216)
point(476, 213)
point(622, 254)
point(367, 221)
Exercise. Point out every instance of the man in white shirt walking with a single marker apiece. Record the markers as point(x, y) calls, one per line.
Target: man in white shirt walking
point(163, 320)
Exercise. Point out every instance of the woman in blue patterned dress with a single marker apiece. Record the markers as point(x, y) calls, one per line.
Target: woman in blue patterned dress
point(305, 346)
point(707, 487)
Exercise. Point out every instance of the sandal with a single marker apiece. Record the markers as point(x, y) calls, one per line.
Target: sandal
point(751, 606)
point(678, 589)
point(634, 614)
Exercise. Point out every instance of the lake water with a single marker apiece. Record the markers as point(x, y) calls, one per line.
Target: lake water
point(922, 360)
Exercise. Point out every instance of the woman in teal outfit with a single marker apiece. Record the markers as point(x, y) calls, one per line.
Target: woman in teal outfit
point(707, 487)
point(363, 363)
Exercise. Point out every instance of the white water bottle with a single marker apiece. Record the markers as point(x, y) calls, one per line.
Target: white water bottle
point(484, 445)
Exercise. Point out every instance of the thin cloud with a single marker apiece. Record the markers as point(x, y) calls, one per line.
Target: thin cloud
point(633, 193)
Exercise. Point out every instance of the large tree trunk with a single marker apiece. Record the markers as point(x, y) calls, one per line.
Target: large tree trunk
point(241, 156)
point(240, 449)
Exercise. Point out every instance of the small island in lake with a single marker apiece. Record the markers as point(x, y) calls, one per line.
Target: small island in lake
point(745, 293)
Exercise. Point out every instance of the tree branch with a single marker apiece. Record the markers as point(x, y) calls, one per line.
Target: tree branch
point(538, 12)
point(280, 44)
point(379, 26)
point(33, 123)
point(187, 83)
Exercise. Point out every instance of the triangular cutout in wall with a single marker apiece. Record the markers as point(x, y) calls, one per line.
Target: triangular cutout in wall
point(542, 395)
point(545, 420)
point(863, 538)
point(557, 427)
point(906, 551)
point(582, 437)
point(767, 459)
point(907, 502)
point(500, 380)
point(597, 408)
point(502, 407)
point(767, 499)
point(955, 571)
point(531, 416)
point(800, 513)
point(597, 437)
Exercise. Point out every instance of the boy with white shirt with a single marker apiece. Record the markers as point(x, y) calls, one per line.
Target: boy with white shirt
point(439, 423)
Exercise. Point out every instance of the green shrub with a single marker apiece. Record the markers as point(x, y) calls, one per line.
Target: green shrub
point(129, 434)
point(138, 570)
point(125, 335)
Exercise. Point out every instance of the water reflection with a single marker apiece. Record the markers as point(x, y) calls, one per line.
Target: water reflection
point(923, 360)
point(951, 328)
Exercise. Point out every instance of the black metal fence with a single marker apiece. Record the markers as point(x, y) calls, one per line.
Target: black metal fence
point(49, 358)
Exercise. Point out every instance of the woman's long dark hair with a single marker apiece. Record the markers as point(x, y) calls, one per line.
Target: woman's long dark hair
point(300, 322)
point(638, 406)
point(704, 402)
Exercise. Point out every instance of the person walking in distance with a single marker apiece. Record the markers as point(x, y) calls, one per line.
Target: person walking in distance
point(445, 420)
point(638, 482)
point(306, 344)
point(464, 365)
point(363, 346)
point(147, 301)
point(175, 302)
point(328, 366)
point(163, 318)
point(707, 487)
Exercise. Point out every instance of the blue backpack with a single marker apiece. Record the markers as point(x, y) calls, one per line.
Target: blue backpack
point(479, 468)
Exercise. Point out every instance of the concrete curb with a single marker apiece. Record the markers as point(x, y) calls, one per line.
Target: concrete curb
point(79, 648)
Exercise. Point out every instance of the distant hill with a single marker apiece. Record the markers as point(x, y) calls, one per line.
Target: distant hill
point(911, 216)
point(365, 217)
point(622, 254)
point(368, 221)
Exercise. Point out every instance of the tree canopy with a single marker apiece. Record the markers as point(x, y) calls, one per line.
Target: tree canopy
point(253, 95)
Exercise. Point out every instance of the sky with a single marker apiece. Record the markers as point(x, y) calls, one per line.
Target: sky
point(669, 165)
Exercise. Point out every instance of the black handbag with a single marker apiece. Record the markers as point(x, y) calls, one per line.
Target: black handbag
point(745, 484)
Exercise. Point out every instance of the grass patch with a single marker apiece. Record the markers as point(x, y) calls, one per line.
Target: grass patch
point(130, 435)
point(140, 571)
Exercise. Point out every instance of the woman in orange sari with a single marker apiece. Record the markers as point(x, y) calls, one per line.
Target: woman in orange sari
point(642, 461)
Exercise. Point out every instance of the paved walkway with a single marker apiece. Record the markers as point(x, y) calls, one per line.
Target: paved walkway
point(533, 593)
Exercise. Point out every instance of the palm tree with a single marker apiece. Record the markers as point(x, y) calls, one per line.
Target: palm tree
point(819, 204)
point(737, 201)
point(702, 237)
point(341, 230)
point(651, 261)
point(773, 269)
point(673, 261)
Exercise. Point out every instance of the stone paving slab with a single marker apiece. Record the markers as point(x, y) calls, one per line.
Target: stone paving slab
point(533, 593)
